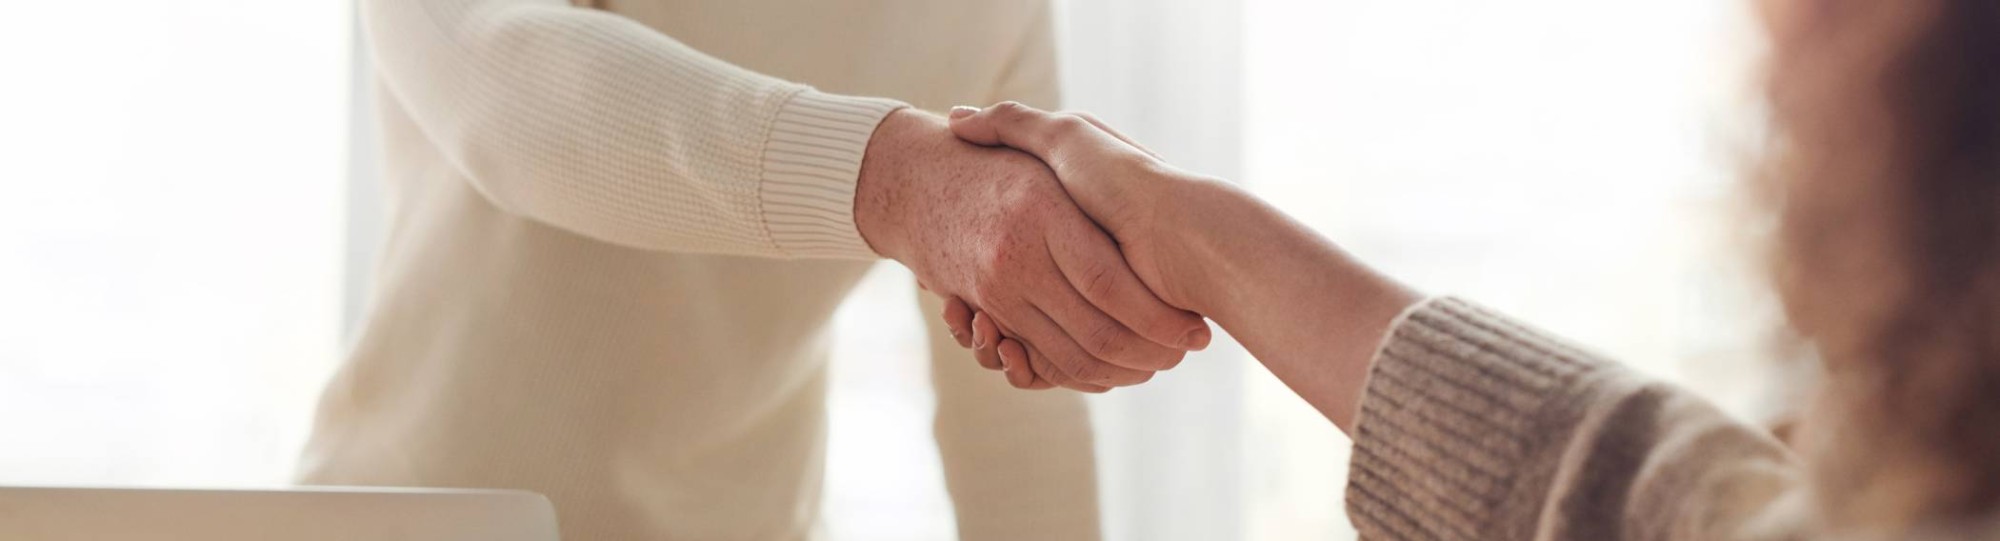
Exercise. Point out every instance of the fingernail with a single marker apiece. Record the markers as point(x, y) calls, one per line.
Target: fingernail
point(978, 338)
point(1197, 339)
point(963, 111)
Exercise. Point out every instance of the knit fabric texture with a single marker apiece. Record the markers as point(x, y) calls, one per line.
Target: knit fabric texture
point(614, 246)
point(1474, 426)
point(596, 124)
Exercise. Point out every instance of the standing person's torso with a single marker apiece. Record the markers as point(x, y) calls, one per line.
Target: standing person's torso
point(650, 395)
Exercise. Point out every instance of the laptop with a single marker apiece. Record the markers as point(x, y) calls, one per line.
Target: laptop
point(292, 514)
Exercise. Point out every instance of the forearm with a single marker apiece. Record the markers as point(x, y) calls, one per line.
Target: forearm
point(599, 125)
point(1470, 423)
point(1309, 311)
point(1464, 397)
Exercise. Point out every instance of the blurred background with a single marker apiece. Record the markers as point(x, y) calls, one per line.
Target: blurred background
point(156, 328)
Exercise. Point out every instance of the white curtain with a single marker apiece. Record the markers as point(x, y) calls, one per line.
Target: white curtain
point(1168, 73)
point(1567, 161)
point(169, 232)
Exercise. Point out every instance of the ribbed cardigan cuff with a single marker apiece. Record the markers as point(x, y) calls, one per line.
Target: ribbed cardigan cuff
point(812, 159)
point(1456, 413)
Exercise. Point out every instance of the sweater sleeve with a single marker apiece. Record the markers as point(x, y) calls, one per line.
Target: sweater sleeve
point(1476, 427)
point(599, 125)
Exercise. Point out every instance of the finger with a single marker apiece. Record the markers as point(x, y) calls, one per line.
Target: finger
point(1023, 371)
point(1020, 373)
point(1031, 130)
point(1101, 335)
point(1092, 119)
point(1098, 271)
point(1053, 376)
point(1048, 341)
point(985, 341)
point(958, 318)
point(1047, 374)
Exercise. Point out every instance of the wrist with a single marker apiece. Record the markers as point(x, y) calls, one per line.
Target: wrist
point(1196, 228)
point(1232, 248)
point(1312, 313)
point(882, 193)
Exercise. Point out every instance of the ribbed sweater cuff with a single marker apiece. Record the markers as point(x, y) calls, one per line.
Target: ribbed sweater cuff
point(812, 160)
point(1455, 414)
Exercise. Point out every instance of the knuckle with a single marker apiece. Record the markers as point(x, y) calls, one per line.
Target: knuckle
point(1124, 378)
point(1092, 374)
point(1099, 281)
point(986, 286)
point(1009, 109)
point(1105, 340)
point(1042, 370)
point(1165, 326)
point(1097, 374)
point(993, 264)
point(1069, 126)
point(1002, 298)
point(1071, 122)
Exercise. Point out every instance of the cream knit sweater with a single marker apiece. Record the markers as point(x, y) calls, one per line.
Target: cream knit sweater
point(616, 238)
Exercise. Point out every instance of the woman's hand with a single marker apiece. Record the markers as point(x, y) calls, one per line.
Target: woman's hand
point(1308, 310)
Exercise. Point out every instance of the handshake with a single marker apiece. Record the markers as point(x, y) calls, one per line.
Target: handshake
point(1050, 236)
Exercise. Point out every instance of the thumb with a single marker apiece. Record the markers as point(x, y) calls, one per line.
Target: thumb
point(969, 125)
point(1012, 124)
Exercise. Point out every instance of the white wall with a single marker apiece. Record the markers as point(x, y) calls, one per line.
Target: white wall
point(170, 216)
point(1566, 161)
point(1168, 73)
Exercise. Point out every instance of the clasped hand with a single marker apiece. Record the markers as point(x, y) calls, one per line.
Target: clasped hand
point(995, 231)
point(1118, 182)
point(1043, 249)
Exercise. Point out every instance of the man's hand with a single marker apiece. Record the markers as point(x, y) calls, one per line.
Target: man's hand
point(1124, 187)
point(995, 228)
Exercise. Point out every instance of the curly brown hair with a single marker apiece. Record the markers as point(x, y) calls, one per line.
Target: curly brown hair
point(1886, 182)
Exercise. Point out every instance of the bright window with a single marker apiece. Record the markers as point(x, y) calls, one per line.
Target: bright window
point(170, 236)
point(1566, 161)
